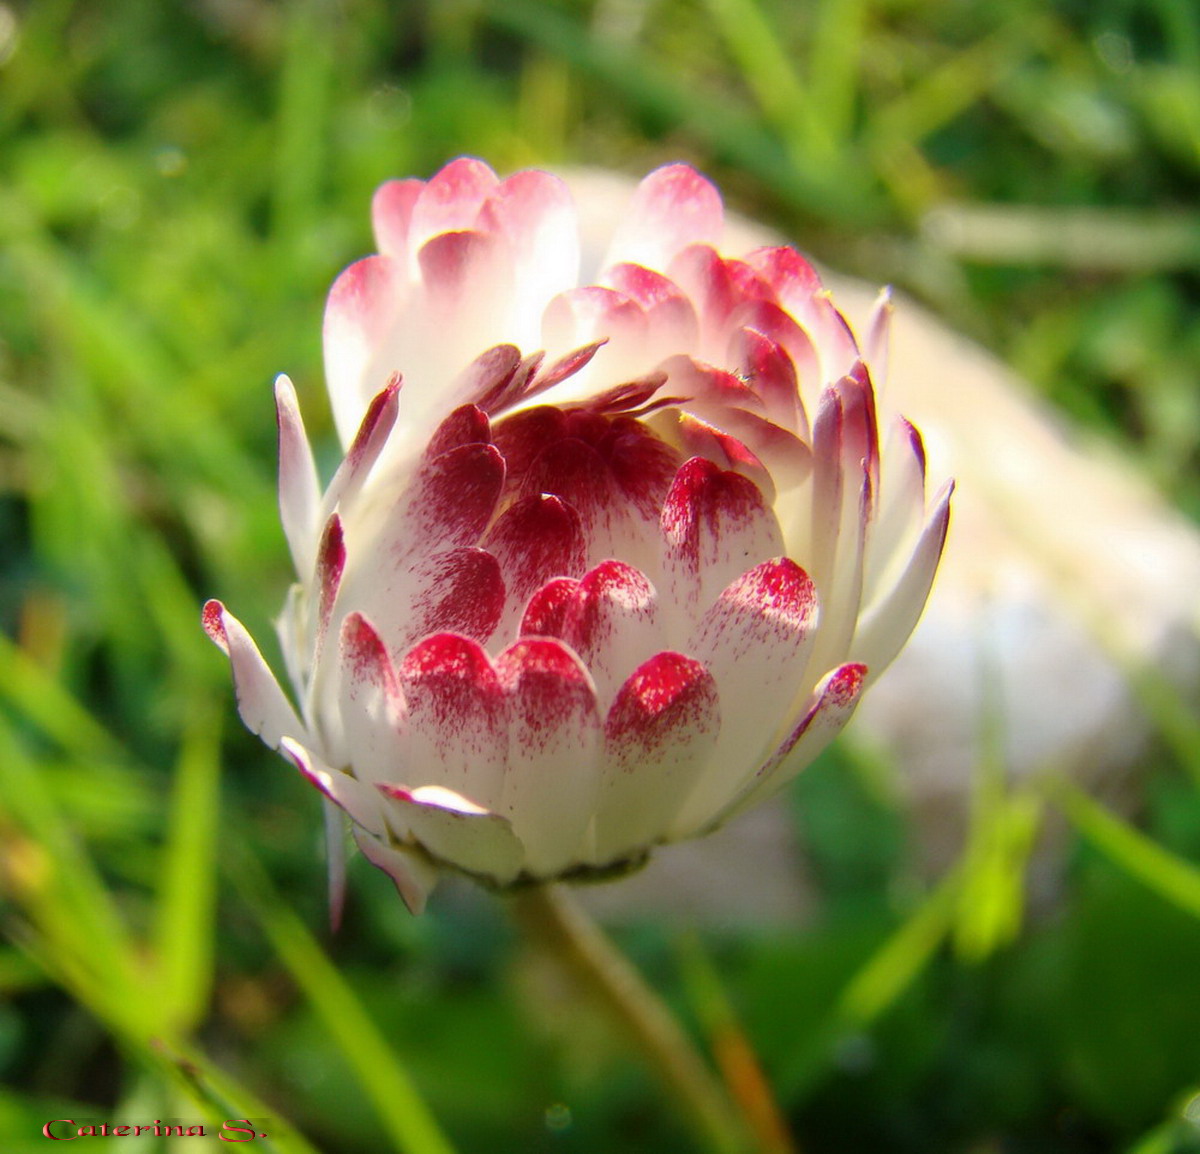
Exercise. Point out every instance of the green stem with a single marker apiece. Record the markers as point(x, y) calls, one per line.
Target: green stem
point(557, 922)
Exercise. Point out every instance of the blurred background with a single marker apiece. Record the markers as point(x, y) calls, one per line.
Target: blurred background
point(179, 183)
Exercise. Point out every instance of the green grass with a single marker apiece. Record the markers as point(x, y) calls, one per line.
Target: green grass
point(180, 183)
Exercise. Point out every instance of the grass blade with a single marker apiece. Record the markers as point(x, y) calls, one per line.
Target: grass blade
point(412, 1127)
point(1169, 876)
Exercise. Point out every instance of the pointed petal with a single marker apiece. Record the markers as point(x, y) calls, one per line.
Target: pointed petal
point(830, 708)
point(886, 625)
point(491, 375)
point(299, 490)
point(331, 564)
point(412, 872)
point(364, 451)
point(567, 365)
point(263, 707)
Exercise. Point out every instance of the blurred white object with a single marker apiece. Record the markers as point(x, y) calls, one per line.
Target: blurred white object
point(1063, 572)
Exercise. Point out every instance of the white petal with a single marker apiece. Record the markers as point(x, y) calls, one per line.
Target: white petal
point(659, 736)
point(886, 625)
point(756, 642)
point(554, 745)
point(715, 526)
point(412, 872)
point(457, 719)
point(360, 801)
point(299, 493)
point(263, 707)
point(673, 207)
point(454, 830)
point(370, 703)
point(832, 704)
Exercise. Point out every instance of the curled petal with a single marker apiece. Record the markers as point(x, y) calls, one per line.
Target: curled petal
point(546, 613)
point(831, 706)
point(413, 874)
point(671, 318)
point(756, 641)
point(462, 272)
point(771, 374)
point(453, 829)
point(299, 496)
point(899, 508)
point(360, 801)
point(612, 622)
point(536, 213)
point(446, 505)
point(887, 623)
point(264, 709)
point(466, 425)
point(491, 375)
point(725, 449)
point(575, 473)
point(595, 316)
point(459, 591)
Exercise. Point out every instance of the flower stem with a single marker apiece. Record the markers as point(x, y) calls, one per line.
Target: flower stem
point(552, 917)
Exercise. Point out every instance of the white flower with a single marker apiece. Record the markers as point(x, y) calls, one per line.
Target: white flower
point(557, 607)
